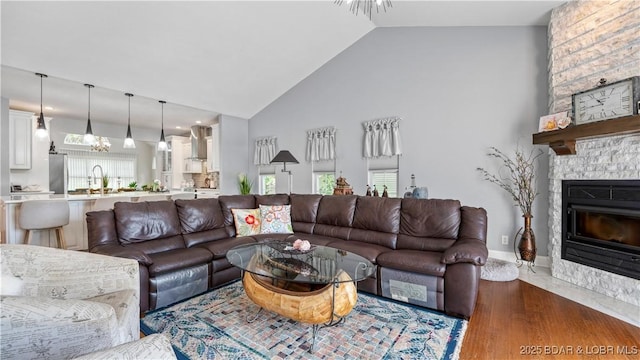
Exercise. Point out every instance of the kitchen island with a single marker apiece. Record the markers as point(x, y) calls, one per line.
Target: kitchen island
point(76, 231)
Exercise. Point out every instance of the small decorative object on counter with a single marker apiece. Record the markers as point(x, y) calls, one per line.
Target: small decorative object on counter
point(52, 148)
point(384, 191)
point(342, 187)
point(375, 191)
point(368, 190)
point(409, 190)
point(156, 185)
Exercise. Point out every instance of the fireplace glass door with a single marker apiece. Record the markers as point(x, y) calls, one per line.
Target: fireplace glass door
point(601, 224)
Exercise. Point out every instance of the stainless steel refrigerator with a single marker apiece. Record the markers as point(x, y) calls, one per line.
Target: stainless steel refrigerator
point(58, 173)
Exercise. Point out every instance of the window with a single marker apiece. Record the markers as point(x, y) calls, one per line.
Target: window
point(323, 182)
point(81, 162)
point(382, 177)
point(267, 184)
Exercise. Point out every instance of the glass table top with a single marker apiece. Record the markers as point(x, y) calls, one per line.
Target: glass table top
point(319, 265)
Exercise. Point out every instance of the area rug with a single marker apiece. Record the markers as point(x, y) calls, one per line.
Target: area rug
point(214, 326)
point(499, 270)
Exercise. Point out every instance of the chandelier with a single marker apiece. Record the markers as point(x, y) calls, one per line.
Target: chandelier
point(101, 144)
point(365, 6)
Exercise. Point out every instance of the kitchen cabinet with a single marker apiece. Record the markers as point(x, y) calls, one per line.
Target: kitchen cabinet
point(213, 149)
point(177, 160)
point(20, 136)
point(207, 193)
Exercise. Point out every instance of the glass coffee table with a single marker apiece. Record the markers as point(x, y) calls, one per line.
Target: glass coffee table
point(317, 286)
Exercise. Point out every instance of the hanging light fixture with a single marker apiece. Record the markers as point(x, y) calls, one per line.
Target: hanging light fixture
point(128, 141)
point(162, 145)
point(89, 139)
point(41, 127)
point(365, 6)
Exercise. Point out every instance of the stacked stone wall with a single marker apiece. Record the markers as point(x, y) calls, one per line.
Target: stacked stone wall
point(589, 40)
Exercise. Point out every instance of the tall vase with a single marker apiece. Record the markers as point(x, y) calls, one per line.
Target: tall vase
point(527, 244)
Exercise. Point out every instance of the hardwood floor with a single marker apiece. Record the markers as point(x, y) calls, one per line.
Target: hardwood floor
point(516, 320)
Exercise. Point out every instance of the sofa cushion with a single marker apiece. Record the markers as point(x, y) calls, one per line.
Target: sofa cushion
point(377, 214)
point(228, 202)
point(304, 208)
point(199, 215)
point(313, 238)
point(275, 219)
point(275, 199)
point(220, 247)
point(367, 251)
point(247, 221)
point(336, 210)
point(415, 261)
point(142, 221)
point(428, 218)
point(178, 259)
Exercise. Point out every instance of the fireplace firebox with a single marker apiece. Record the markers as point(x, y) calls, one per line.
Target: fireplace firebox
point(601, 224)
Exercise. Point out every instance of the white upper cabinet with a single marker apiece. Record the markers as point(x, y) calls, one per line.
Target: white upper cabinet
point(213, 149)
point(20, 138)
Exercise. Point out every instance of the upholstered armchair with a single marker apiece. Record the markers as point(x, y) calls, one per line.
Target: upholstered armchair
point(63, 303)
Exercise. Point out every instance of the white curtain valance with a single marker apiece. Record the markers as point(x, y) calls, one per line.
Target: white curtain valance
point(266, 149)
point(382, 137)
point(321, 144)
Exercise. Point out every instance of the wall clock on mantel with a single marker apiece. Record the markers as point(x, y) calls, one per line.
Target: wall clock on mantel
point(607, 101)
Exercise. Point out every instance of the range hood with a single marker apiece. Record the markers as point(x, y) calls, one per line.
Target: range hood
point(199, 142)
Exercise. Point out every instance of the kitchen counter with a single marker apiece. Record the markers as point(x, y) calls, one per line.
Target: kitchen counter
point(135, 195)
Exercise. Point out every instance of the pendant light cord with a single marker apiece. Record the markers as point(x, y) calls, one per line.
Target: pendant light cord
point(129, 119)
point(89, 109)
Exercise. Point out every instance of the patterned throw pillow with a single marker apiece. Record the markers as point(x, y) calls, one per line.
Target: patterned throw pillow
point(247, 221)
point(276, 219)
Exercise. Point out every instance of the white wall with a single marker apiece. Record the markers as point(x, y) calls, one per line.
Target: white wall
point(4, 148)
point(458, 90)
point(234, 153)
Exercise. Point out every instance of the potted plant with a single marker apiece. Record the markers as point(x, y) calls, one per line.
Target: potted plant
point(244, 185)
point(518, 179)
point(105, 182)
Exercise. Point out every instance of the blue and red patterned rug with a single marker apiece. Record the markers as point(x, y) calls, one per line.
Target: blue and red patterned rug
point(214, 326)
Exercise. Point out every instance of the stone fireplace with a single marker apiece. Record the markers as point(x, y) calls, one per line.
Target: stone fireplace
point(613, 157)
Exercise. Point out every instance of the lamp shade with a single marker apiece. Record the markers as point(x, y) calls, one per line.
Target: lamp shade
point(284, 156)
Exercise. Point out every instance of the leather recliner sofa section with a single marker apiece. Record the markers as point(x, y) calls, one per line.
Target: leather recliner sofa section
point(428, 252)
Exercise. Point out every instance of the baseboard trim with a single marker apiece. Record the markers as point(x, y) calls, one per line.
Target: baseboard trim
point(542, 261)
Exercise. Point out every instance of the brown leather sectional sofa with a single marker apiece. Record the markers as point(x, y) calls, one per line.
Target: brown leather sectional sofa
point(428, 251)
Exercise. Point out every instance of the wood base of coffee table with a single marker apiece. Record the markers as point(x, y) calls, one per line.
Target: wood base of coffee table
point(326, 305)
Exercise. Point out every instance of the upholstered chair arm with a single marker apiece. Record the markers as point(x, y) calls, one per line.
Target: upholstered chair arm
point(33, 327)
point(466, 251)
point(68, 274)
point(154, 346)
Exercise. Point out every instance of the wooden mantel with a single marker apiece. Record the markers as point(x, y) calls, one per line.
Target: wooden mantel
point(563, 141)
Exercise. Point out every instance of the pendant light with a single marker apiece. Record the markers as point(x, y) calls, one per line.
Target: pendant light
point(162, 145)
point(128, 141)
point(89, 139)
point(41, 127)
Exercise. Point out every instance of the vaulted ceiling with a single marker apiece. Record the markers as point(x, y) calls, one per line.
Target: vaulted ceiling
point(203, 57)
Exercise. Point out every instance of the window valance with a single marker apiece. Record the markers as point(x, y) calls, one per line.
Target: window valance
point(265, 150)
point(321, 144)
point(382, 137)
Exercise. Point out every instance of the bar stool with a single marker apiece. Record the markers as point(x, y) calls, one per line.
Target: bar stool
point(44, 215)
